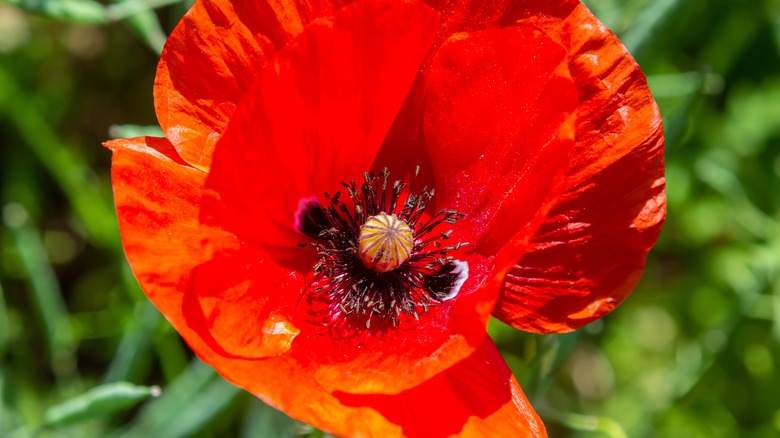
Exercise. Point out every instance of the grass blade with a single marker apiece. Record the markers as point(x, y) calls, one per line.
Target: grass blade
point(80, 11)
point(188, 404)
point(648, 25)
point(129, 131)
point(98, 402)
point(133, 350)
point(45, 288)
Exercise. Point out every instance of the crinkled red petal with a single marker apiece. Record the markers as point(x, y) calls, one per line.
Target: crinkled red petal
point(590, 252)
point(316, 117)
point(157, 197)
point(212, 57)
point(499, 128)
point(476, 397)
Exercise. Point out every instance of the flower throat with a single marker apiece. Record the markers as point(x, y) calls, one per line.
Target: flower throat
point(378, 259)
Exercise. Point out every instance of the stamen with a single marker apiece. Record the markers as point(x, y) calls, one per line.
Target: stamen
point(379, 258)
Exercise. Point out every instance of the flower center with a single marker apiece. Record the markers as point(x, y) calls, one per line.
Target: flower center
point(379, 257)
point(385, 242)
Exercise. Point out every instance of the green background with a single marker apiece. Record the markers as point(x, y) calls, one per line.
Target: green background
point(692, 353)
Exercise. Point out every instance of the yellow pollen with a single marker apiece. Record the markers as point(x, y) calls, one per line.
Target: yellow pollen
point(385, 242)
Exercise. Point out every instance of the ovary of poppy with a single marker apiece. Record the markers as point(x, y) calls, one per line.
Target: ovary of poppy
point(530, 121)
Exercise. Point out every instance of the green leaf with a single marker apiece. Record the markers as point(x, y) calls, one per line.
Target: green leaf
point(98, 402)
point(141, 17)
point(81, 11)
point(199, 411)
point(133, 350)
point(124, 9)
point(190, 403)
point(648, 26)
point(147, 26)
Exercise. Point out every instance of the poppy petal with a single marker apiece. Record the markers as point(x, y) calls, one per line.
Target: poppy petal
point(316, 117)
point(406, 134)
point(591, 251)
point(212, 57)
point(499, 128)
point(157, 197)
point(476, 397)
point(240, 302)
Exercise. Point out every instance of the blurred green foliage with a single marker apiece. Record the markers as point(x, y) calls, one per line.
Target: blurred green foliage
point(692, 353)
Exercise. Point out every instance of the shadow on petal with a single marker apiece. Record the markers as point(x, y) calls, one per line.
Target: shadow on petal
point(240, 303)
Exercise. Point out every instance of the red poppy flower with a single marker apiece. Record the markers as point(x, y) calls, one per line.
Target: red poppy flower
point(265, 226)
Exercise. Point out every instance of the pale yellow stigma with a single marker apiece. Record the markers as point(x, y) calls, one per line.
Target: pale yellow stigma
point(385, 242)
